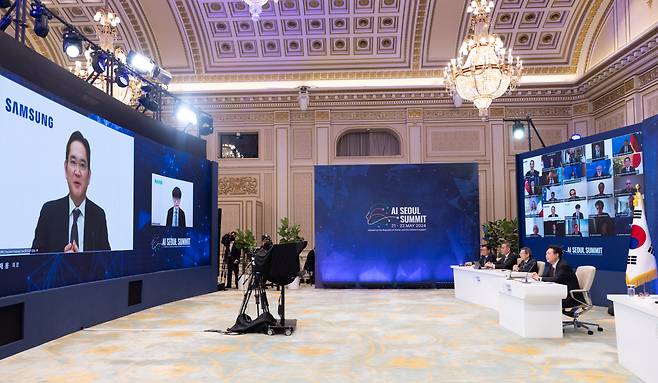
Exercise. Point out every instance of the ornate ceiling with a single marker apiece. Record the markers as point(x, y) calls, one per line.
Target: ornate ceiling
point(214, 41)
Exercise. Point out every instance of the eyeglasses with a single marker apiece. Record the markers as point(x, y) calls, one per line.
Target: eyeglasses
point(81, 166)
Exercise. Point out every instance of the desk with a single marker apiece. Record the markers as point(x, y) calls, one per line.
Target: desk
point(636, 323)
point(533, 309)
point(479, 286)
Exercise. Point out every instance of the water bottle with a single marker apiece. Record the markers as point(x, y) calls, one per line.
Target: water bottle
point(631, 291)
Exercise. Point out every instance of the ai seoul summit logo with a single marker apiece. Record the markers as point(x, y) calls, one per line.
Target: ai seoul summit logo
point(382, 217)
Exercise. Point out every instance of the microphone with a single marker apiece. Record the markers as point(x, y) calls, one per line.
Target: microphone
point(526, 277)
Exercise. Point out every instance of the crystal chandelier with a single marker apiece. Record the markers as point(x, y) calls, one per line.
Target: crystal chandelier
point(107, 31)
point(484, 70)
point(256, 7)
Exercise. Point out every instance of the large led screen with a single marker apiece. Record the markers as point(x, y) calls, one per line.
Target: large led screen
point(85, 199)
point(394, 224)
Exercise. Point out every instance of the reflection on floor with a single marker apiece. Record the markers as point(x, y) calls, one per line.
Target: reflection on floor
point(343, 336)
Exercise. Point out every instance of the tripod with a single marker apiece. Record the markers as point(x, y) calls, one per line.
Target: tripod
point(256, 287)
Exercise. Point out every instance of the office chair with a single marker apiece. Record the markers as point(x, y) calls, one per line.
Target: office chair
point(585, 276)
point(540, 267)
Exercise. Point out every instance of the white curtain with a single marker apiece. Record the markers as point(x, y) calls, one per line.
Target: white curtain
point(368, 143)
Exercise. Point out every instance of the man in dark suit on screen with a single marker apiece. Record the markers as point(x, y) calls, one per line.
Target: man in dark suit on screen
point(72, 223)
point(176, 215)
point(557, 270)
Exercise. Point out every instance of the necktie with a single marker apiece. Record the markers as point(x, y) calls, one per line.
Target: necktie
point(552, 271)
point(175, 217)
point(74, 228)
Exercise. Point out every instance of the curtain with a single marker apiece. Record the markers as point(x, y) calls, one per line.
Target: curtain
point(368, 143)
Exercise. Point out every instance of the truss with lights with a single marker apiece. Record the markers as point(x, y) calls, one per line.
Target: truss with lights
point(484, 70)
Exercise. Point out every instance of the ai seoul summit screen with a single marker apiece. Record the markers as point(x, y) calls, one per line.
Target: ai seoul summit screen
point(84, 199)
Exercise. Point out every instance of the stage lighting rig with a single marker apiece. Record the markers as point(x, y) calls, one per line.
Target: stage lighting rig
point(41, 16)
point(518, 130)
point(72, 43)
point(149, 99)
point(140, 63)
point(185, 114)
point(205, 125)
point(122, 76)
point(99, 61)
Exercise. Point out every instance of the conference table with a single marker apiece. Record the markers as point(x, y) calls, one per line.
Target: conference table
point(526, 307)
point(636, 323)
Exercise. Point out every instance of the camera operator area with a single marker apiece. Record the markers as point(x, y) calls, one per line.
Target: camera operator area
point(328, 191)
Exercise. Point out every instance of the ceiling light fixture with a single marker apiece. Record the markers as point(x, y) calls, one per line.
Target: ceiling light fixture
point(483, 70)
point(256, 7)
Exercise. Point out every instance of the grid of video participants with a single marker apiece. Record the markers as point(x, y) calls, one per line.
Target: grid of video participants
point(583, 191)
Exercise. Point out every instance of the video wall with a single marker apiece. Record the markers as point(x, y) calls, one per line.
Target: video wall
point(87, 200)
point(581, 196)
point(394, 224)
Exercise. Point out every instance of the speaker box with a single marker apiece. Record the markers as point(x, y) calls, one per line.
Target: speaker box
point(135, 292)
point(11, 323)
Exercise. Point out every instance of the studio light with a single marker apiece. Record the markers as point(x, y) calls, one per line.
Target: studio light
point(205, 124)
point(575, 137)
point(40, 15)
point(72, 43)
point(162, 76)
point(122, 77)
point(99, 61)
point(148, 100)
point(140, 63)
point(5, 3)
point(185, 114)
point(518, 130)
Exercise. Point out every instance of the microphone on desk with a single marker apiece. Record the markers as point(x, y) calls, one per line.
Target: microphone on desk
point(526, 277)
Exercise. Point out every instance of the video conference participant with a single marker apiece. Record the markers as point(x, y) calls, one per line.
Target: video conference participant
point(597, 151)
point(625, 148)
point(557, 270)
point(72, 223)
point(176, 215)
point(532, 173)
point(628, 168)
point(553, 213)
point(578, 213)
point(528, 263)
point(552, 199)
point(507, 261)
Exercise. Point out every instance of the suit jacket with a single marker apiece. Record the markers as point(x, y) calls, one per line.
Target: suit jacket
point(507, 262)
point(232, 255)
point(170, 217)
point(52, 232)
point(529, 266)
point(489, 258)
point(563, 275)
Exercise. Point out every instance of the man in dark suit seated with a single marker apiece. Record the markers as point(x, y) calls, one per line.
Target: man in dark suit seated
point(72, 223)
point(486, 255)
point(528, 263)
point(557, 270)
point(508, 260)
point(176, 215)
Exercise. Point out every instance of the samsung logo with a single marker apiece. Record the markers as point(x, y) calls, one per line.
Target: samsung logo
point(28, 113)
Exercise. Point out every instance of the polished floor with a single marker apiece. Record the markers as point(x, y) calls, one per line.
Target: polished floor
point(343, 336)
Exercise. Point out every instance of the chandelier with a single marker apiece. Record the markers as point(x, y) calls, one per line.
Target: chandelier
point(484, 70)
point(107, 31)
point(256, 7)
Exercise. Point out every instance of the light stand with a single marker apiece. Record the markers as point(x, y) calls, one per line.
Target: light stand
point(530, 124)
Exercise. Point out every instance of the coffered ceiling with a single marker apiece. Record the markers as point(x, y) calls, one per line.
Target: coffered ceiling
point(215, 41)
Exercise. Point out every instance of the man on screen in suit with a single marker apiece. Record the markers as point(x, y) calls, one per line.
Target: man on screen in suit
point(176, 215)
point(626, 148)
point(557, 270)
point(528, 263)
point(508, 260)
point(578, 213)
point(553, 213)
point(628, 168)
point(72, 223)
point(532, 173)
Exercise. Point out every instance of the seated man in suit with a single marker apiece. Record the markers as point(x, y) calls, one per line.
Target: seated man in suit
point(628, 168)
point(528, 263)
point(557, 270)
point(486, 255)
point(72, 223)
point(176, 215)
point(508, 260)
